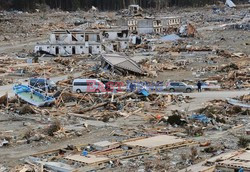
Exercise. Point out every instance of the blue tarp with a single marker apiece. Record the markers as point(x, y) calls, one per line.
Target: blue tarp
point(172, 37)
point(144, 92)
point(200, 117)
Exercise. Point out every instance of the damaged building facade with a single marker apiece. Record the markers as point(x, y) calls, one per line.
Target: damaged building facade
point(152, 25)
point(115, 39)
point(70, 42)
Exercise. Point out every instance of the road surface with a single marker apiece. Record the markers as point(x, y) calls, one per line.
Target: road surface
point(203, 97)
point(16, 46)
point(197, 102)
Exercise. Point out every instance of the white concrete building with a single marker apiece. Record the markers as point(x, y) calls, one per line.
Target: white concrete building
point(69, 42)
point(153, 25)
point(115, 39)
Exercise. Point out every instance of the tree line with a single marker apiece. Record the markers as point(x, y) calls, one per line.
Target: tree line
point(103, 5)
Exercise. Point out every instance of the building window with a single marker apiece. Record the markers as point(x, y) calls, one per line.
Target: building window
point(57, 37)
point(64, 47)
point(87, 38)
point(97, 46)
point(81, 47)
point(47, 47)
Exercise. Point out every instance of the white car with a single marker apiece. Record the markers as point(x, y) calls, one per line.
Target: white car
point(88, 85)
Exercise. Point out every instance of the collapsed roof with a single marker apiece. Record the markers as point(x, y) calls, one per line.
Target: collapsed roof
point(120, 63)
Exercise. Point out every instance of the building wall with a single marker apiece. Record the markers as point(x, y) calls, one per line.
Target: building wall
point(96, 49)
point(62, 49)
point(145, 23)
point(121, 22)
point(92, 37)
point(145, 30)
point(60, 38)
point(124, 44)
point(111, 35)
point(108, 47)
point(85, 43)
point(171, 21)
point(80, 38)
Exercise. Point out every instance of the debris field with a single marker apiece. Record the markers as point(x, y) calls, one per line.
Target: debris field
point(143, 111)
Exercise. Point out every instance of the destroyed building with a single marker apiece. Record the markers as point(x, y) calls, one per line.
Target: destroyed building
point(143, 120)
point(115, 39)
point(120, 64)
point(70, 42)
point(67, 42)
point(153, 25)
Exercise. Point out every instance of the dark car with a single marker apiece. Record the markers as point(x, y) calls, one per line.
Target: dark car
point(43, 84)
point(179, 87)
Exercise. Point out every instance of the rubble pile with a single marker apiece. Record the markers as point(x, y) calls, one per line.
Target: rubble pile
point(88, 106)
point(222, 111)
point(233, 75)
point(158, 65)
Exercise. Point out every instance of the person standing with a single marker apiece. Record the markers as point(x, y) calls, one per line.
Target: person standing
point(199, 86)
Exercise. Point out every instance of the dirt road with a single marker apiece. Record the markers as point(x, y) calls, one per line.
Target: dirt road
point(17, 46)
point(203, 97)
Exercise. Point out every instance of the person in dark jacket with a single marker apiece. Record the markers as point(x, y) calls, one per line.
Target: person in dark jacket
point(199, 86)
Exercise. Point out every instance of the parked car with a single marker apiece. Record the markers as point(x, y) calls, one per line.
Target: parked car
point(88, 85)
point(178, 87)
point(43, 84)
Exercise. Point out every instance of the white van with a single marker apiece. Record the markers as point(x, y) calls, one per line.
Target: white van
point(88, 85)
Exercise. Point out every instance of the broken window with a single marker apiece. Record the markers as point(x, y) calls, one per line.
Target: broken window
point(57, 37)
point(87, 38)
point(57, 50)
point(98, 38)
point(73, 38)
point(123, 34)
point(119, 35)
point(73, 50)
